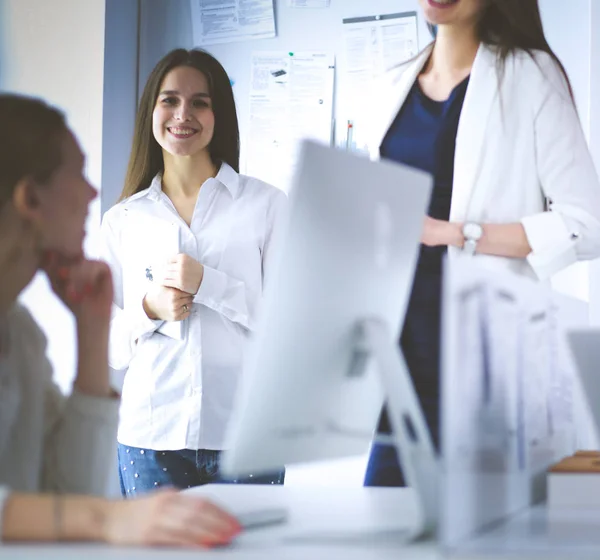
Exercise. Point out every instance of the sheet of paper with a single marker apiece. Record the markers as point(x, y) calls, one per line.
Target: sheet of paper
point(479, 413)
point(486, 437)
point(373, 45)
point(498, 437)
point(507, 392)
point(309, 3)
point(466, 358)
point(537, 373)
point(569, 408)
point(291, 98)
point(227, 21)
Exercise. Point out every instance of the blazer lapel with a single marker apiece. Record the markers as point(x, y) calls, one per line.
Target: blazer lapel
point(390, 101)
point(482, 91)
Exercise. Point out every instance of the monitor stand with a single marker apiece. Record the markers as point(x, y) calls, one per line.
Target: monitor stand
point(410, 433)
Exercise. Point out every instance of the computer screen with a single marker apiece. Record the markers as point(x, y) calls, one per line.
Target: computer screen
point(312, 389)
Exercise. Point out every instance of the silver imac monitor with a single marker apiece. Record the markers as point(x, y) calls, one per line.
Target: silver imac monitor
point(326, 352)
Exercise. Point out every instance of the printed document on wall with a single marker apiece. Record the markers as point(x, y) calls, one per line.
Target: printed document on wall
point(373, 45)
point(228, 21)
point(309, 3)
point(291, 99)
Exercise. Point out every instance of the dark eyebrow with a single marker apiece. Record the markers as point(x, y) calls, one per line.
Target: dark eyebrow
point(174, 92)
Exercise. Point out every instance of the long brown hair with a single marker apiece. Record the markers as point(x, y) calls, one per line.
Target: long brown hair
point(30, 138)
point(146, 158)
point(513, 25)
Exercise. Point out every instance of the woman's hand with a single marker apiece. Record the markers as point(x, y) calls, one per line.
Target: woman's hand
point(167, 304)
point(169, 518)
point(184, 273)
point(85, 286)
point(441, 232)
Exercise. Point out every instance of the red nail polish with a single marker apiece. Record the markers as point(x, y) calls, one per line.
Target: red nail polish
point(73, 295)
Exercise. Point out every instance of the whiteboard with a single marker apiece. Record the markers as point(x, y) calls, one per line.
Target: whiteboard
point(306, 30)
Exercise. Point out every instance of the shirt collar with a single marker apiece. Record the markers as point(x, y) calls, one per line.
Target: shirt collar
point(155, 190)
point(226, 176)
point(229, 178)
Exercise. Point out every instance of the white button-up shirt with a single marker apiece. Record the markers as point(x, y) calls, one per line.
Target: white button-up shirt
point(182, 376)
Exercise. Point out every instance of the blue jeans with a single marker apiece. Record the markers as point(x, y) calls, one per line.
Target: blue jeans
point(143, 470)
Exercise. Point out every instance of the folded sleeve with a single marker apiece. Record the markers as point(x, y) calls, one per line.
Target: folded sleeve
point(225, 295)
point(127, 325)
point(569, 230)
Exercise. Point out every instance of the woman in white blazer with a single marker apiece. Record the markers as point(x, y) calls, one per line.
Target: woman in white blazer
point(54, 449)
point(487, 108)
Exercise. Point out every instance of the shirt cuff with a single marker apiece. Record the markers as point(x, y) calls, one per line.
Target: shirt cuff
point(223, 294)
point(141, 323)
point(212, 288)
point(552, 244)
point(99, 408)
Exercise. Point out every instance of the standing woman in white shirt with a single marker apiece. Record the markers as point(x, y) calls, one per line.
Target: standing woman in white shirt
point(55, 451)
point(487, 109)
point(189, 245)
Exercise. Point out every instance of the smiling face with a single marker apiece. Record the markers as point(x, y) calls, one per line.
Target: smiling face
point(450, 12)
point(183, 120)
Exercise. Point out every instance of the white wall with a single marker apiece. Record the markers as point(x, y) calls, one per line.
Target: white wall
point(55, 49)
point(120, 94)
point(594, 23)
point(568, 31)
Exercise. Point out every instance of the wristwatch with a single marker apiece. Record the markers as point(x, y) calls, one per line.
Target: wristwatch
point(472, 233)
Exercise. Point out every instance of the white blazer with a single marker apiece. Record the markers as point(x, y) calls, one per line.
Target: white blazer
point(520, 150)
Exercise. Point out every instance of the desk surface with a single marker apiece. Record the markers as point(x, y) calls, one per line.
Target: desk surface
point(352, 523)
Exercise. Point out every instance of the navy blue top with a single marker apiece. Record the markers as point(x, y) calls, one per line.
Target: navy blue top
point(423, 135)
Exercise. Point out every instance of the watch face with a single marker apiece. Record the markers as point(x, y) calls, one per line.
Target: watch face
point(472, 231)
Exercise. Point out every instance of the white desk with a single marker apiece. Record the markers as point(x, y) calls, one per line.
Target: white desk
point(323, 524)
